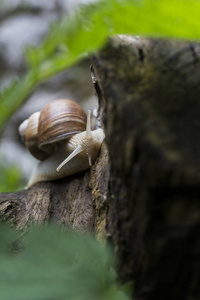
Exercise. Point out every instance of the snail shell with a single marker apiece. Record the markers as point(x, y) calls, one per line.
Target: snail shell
point(57, 121)
point(61, 137)
point(60, 119)
point(29, 133)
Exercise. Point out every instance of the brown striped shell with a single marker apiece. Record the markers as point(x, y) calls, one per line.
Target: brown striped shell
point(57, 121)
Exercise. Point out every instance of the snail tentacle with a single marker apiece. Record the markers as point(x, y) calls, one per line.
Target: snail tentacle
point(79, 148)
point(74, 153)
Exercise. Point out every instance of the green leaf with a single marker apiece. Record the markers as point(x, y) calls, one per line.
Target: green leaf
point(86, 31)
point(56, 264)
point(15, 93)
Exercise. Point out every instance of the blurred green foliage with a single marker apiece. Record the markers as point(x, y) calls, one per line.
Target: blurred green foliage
point(11, 178)
point(53, 263)
point(85, 31)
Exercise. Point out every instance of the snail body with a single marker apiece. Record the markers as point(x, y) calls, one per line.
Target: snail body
point(65, 144)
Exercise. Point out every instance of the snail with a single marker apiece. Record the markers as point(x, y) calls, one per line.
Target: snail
point(60, 136)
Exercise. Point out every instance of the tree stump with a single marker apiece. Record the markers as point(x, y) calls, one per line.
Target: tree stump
point(146, 198)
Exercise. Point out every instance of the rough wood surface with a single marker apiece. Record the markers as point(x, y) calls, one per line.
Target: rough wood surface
point(70, 201)
point(146, 198)
point(151, 110)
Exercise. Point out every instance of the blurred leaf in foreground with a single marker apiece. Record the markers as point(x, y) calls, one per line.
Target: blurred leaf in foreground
point(57, 264)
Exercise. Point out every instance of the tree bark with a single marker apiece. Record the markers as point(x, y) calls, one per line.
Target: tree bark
point(70, 201)
point(145, 197)
point(150, 103)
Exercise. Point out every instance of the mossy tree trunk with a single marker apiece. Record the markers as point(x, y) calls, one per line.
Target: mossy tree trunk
point(146, 197)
